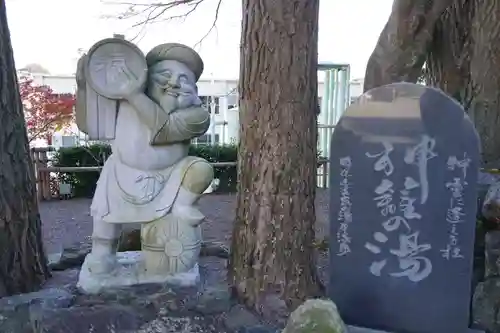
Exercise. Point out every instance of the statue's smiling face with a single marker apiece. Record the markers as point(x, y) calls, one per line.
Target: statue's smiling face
point(171, 77)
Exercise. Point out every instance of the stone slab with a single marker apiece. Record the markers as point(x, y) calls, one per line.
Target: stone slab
point(403, 200)
point(129, 272)
point(15, 310)
point(355, 329)
point(103, 318)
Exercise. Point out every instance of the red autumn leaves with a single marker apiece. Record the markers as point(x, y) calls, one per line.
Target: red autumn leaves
point(44, 111)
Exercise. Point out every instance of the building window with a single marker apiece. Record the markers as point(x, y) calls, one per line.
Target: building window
point(205, 139)
point(205, 100)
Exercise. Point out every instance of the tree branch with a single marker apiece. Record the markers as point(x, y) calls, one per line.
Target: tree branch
point(156, 12)
point(40, 130)
point(214, 24)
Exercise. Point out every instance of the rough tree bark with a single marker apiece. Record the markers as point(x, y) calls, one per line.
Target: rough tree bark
point(272, 241)
point(461, 49)
point(448, 54)
point(23, 266)
point(400, 51)
point(485, 77)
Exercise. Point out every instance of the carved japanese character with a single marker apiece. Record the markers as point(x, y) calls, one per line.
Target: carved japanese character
point(384, 162)
point(419, 155)
point(415, 266)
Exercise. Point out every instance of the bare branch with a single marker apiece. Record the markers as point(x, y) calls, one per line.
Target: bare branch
point(41, 130)
point(214, 24)
point(155, 18)
point(156, 12)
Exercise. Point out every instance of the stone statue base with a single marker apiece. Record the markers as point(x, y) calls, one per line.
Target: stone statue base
point(130, 271)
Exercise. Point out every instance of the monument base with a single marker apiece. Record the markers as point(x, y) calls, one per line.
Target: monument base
point(355, 329)
point(129, 271)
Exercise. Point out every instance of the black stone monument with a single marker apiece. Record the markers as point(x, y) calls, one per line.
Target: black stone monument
point(403, 175)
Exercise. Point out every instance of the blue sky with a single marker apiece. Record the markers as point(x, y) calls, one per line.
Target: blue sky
point(50, 32)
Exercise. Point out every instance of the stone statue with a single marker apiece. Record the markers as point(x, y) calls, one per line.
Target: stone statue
point(149, 180)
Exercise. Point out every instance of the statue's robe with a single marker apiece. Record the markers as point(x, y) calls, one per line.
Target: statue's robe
point(141, 179)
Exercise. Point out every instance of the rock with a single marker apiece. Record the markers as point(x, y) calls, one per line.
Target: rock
point(214, 299)
point(54, 258)
point(484, 183)
point(70, 257)
point(112, 318)
point(214, 249)
point(239, 317)
point(274, 309)
point(179, 301)
point(315, 316)
point(485, 305)
point(15, 310)
point(491, 205)
point(492, 253)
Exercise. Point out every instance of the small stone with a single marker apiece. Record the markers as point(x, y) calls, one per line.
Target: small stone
point(214, 249)
point(54, 258)
point(70, 257)
point(315, 316)
point(15, 310)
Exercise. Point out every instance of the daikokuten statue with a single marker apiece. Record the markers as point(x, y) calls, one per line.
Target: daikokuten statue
point(149, 108)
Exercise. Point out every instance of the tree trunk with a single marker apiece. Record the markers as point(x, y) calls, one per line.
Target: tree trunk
point(448, 54)
point(23, 266)
point(272, 242)
point(485, 78)
point(401, 49)
point(462, 51)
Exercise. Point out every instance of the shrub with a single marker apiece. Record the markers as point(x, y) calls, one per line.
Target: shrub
point(84, 183)
point(227, 175)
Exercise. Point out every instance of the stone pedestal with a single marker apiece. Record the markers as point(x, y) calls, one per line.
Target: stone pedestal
point(130, 271)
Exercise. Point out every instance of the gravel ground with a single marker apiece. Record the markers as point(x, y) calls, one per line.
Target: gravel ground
point(66, 222)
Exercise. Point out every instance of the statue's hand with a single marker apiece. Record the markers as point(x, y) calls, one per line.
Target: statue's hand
point(190, 100)
point(172, 101)
point(130, 84)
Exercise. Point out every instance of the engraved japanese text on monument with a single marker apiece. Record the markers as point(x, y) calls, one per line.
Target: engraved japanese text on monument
point(455, 212)
point(345, 212)
point(397, 209)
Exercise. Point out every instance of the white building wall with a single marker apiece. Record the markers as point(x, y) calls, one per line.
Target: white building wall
point(222, 88)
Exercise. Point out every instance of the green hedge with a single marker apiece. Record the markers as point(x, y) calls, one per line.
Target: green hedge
point(84, 183)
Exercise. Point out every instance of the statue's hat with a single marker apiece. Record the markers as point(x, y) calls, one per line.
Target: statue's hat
point(177, 52)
